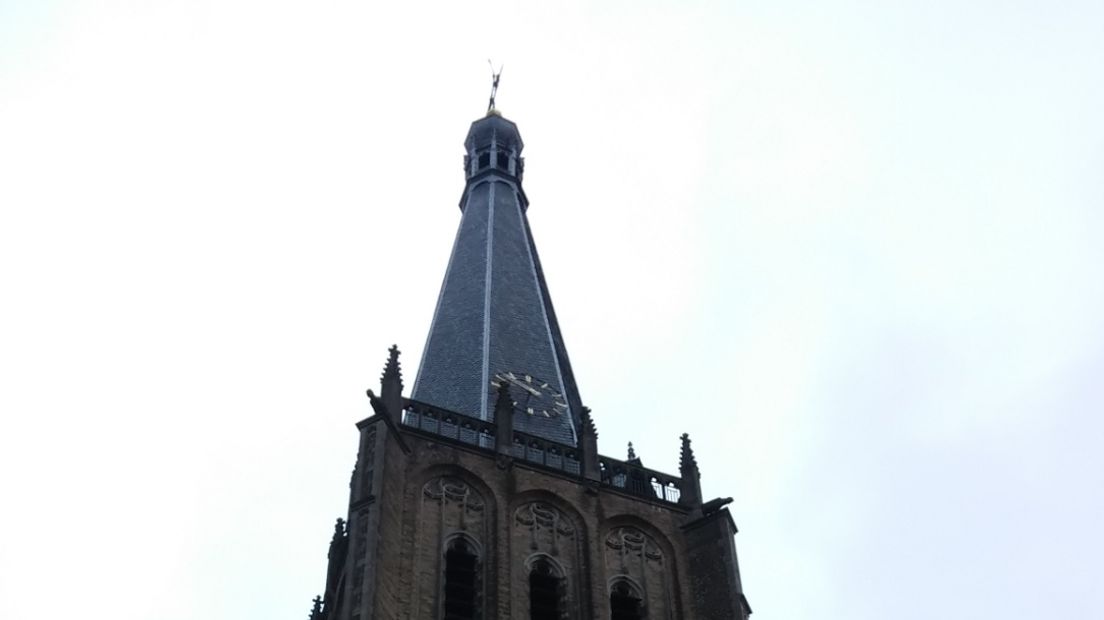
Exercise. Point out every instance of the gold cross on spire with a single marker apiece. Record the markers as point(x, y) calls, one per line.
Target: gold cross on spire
point(494, 85)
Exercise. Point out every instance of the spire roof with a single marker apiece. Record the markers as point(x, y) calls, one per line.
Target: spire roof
point(494, 321)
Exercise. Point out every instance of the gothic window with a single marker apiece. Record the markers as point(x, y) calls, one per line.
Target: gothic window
point(625, 602)
point(643, 586)
point(546, 590)
point(484, 160)
point(548, 553)
point(503, 160)
point(448, 581)
point(461, 582)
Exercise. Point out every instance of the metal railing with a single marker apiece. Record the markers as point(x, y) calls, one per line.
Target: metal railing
point(639, 480)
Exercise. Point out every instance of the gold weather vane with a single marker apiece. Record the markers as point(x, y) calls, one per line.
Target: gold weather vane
point(494, 85)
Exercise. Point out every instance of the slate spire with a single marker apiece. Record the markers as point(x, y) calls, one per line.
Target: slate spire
point(494, 321)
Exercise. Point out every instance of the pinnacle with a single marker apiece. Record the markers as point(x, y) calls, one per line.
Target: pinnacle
point(503, 401)
point(686, 458)
point(588, 423)
point(392, 367)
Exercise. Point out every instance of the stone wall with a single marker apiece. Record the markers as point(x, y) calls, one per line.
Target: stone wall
point(413, 494)
point(515, 514)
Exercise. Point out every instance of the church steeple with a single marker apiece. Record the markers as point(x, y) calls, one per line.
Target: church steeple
point(494, 321)
point(483, 495)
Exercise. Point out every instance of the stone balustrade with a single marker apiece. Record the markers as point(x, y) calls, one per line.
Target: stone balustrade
point(624, 476)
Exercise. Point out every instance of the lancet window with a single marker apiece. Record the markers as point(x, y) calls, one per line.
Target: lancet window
point(546, 591)
point(625, 602)
point(461, 582)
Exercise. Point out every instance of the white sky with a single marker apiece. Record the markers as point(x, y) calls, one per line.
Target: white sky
point(852, 248)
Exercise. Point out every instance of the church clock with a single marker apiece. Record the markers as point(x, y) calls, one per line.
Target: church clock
point(530, 395)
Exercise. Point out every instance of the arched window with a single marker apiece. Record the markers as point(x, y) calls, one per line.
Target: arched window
point(625, 603)
point(545, 591)
point(461, 582)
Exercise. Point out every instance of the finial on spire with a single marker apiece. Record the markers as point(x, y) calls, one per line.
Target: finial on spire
point(632, 453)
point(494, 85)
point(316, 609)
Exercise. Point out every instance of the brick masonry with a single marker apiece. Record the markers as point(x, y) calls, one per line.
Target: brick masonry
point(429, 490)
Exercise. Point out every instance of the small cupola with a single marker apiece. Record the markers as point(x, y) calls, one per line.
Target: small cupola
point(493, 144)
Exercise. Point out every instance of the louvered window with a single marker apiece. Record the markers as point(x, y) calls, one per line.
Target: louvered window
point(461, 582)
point(545, 592)
point(625, 604)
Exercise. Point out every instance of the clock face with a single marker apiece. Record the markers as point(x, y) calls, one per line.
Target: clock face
point(530, 395)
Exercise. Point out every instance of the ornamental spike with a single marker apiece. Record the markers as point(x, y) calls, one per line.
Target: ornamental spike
point(392, 370)
point(339, 531)
point(391, 385)
point(687, 462)
point(588, 423)
point(690, 485)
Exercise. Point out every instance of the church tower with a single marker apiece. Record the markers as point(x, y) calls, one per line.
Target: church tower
point(483, 495)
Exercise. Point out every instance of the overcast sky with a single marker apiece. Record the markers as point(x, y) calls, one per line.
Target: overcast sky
point(854, 249)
